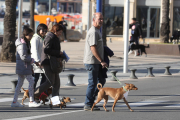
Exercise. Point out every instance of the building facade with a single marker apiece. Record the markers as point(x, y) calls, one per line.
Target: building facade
point(147, 12)
point(69, 6)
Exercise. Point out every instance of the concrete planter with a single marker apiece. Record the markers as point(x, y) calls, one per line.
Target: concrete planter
point(163, 49)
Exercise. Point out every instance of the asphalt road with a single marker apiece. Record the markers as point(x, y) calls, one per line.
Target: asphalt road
point(157, 98)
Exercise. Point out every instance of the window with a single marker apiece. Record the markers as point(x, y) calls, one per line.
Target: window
point(176, 26)
point(114, 20)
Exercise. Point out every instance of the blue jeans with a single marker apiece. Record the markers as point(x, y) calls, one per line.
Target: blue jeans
point(94, 77)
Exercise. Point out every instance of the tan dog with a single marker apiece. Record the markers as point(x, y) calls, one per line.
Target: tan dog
point(42, 97)
point(64, 101)
point(115, 93)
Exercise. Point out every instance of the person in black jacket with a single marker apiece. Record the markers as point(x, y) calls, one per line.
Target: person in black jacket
point(64, 24)
point(136, 31)
point(51, 46)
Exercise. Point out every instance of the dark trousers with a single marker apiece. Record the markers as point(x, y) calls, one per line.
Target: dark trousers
point(53, 78)
point(36, 78)
point(94, 77)
point(64, 31)
point(134, 39)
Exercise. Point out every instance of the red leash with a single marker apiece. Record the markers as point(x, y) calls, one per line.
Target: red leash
point(43, 93)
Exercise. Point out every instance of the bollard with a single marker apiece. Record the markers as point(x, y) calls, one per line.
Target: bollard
point(70, 80)
point(14, 84)
point(133, 76)
point(167, 70)
point(150, 72)
point(110, 40)
point(113, 74)
point(143, 40)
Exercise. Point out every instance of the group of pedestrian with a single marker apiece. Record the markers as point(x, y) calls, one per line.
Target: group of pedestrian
point(33, 49)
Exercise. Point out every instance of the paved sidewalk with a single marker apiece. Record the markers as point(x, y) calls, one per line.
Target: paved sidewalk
point(75, 50)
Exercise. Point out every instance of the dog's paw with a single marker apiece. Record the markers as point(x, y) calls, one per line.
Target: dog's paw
point(131, 110)
point(107, 110)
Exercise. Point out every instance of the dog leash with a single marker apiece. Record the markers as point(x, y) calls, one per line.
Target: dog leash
point(118, 81)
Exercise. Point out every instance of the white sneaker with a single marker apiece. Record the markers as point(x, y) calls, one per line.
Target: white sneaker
point(34, 104)
point(17, 104)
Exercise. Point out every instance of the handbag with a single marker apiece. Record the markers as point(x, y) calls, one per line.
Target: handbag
point(56, 64)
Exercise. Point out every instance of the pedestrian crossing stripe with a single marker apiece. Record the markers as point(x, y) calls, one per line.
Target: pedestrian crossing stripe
point(143, 103)
point(175, 105)
point(79, 105)
point(8, 99)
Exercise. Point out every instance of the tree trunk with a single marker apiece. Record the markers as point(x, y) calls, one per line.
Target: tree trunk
point(165, 22)
point(32, 3)
point(104, 25)
point(8, 46)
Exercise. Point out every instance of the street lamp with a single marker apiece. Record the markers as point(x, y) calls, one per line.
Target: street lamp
point(126, 37)
point(50, 7)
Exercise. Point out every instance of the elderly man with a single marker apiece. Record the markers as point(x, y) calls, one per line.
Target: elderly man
point(93, 60)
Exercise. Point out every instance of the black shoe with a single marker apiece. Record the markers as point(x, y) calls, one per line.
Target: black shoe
point(46, 100)
point(88, 108)
point(96, 108)
point(36, 100)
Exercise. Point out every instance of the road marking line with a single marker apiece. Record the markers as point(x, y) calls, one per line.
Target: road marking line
point(42, 116)
point(175, 105)
point(82, 104)
point(8, 99)
point(136, 104)
point(143, 103)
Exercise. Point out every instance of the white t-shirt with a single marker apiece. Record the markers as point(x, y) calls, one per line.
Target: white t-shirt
point(93, 37)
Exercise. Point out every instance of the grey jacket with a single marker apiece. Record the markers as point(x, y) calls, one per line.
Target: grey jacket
point(23, 59)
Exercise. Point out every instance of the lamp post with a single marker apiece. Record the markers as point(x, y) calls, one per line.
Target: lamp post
point(88, 15)
point(50, 7)
point(126, 38)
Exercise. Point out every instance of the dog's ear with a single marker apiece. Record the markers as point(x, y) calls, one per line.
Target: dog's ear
point(64, 97)
point(127, 83)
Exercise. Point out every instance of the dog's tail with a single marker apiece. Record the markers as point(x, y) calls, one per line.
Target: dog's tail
point(99, 84)
point(23, 89)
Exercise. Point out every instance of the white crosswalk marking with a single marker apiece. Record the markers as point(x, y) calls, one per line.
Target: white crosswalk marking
point(175, 105)
point(8, 99)
point(143, 103)
point(136, 104)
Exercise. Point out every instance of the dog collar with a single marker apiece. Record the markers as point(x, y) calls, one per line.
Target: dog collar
point(125, 89)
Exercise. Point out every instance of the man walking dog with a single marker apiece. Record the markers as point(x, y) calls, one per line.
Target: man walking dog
point(93, 60)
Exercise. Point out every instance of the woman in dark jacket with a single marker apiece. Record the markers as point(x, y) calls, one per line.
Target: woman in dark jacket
point(51, 46)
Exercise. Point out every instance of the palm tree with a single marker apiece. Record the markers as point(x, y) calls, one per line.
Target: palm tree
point(165, 22)
point(8, 46)
point(32, 14)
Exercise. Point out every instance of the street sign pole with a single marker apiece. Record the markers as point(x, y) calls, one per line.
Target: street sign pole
point(49, 7)
point(126, 37)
